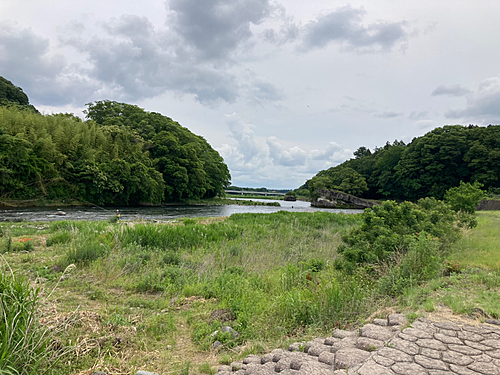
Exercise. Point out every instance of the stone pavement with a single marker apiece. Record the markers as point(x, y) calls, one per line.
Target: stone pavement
point(386, 347)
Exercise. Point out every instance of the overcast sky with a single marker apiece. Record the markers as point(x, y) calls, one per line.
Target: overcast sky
point(282, 89)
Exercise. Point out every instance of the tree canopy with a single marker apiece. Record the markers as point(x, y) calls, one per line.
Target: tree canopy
point(121, 155)
point(13, 95)
point(428, 166)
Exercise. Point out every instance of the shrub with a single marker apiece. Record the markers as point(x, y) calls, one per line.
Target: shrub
point(465, 197)
point(390, 228)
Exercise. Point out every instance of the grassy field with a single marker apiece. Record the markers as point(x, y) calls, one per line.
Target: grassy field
point(129, 296)
point(132, 295)
point(471, 281)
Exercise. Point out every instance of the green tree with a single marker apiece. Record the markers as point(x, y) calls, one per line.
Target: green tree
point(339, 178)
point(190, 167)
point(13, 95)
point(465, 197)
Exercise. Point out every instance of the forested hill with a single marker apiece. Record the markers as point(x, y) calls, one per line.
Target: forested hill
point(120, 155)
point(427, 166)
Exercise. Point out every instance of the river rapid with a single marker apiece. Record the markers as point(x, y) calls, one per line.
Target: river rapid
point(155, 213)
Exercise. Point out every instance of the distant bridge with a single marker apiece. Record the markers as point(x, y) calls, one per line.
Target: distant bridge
point(248, 192)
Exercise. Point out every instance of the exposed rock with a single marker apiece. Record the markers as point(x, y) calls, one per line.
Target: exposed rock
point(233, 332)
point(488, 205)
point(289, 198)
point(216, 344)
point(336, 199)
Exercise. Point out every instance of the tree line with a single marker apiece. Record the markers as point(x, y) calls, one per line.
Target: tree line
point(426, 167)
point(119, 155)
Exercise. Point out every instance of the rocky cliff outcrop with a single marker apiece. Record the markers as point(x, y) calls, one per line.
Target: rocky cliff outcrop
point(488, 205)
point(337, 199)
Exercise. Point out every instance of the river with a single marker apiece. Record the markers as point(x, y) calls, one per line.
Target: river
point(154, 213)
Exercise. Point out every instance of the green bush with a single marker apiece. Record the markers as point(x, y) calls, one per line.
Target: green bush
point(24, 345)
point(465, 197)
point(391, 227)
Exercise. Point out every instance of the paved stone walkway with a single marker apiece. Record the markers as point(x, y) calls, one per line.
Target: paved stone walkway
point(386, 347)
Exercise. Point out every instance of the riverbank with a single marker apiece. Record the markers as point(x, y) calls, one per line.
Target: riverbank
point(152, 296)
point(37, 203)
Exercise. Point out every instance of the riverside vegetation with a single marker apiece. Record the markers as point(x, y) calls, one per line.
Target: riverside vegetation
point(121, 296)
point(120, 155)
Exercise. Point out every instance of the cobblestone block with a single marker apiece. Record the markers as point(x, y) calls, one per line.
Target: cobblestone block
point(397, 319)
point(457, 358)
point(435, 354)
point(370, 345)
point(485, 368)
point(252, 358)
point(467, 350)
point(407, 337)
point(431, 344)
point(430, 364)
point(408, 369)
point(491, 343)
point(348, 357)
point(447, 339)
point(447, 325)
point(376, 332)
point(403, 345)
point(348, 342)
point(331, 340)
point(328, 358)
point(470, 336)
point(463, 370)
point(418, 333)
point(316, 350)
point(383, 361)
point(475, 329)
point(395, 355)
point(480, 345)
point(373, 368)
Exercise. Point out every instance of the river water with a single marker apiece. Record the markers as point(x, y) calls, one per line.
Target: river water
point(154, 213)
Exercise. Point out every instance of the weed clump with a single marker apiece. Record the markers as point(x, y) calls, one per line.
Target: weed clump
point(24, 345)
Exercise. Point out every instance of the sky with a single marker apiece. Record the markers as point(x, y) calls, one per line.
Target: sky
point(281, 89)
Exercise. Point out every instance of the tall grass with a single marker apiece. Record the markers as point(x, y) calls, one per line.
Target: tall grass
point(175, 237)
point(24, 345)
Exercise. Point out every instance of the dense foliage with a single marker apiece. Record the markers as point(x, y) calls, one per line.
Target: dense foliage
point(390, 228)
point(428, 166)
point(121, 155)
point(11, 95)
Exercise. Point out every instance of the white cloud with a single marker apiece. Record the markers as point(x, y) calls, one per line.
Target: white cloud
point(455, 90)
point(425, 124)
point(270, 160)
point(390, 114)
point(483, 105)
point(345, 27)
point(292, 157)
